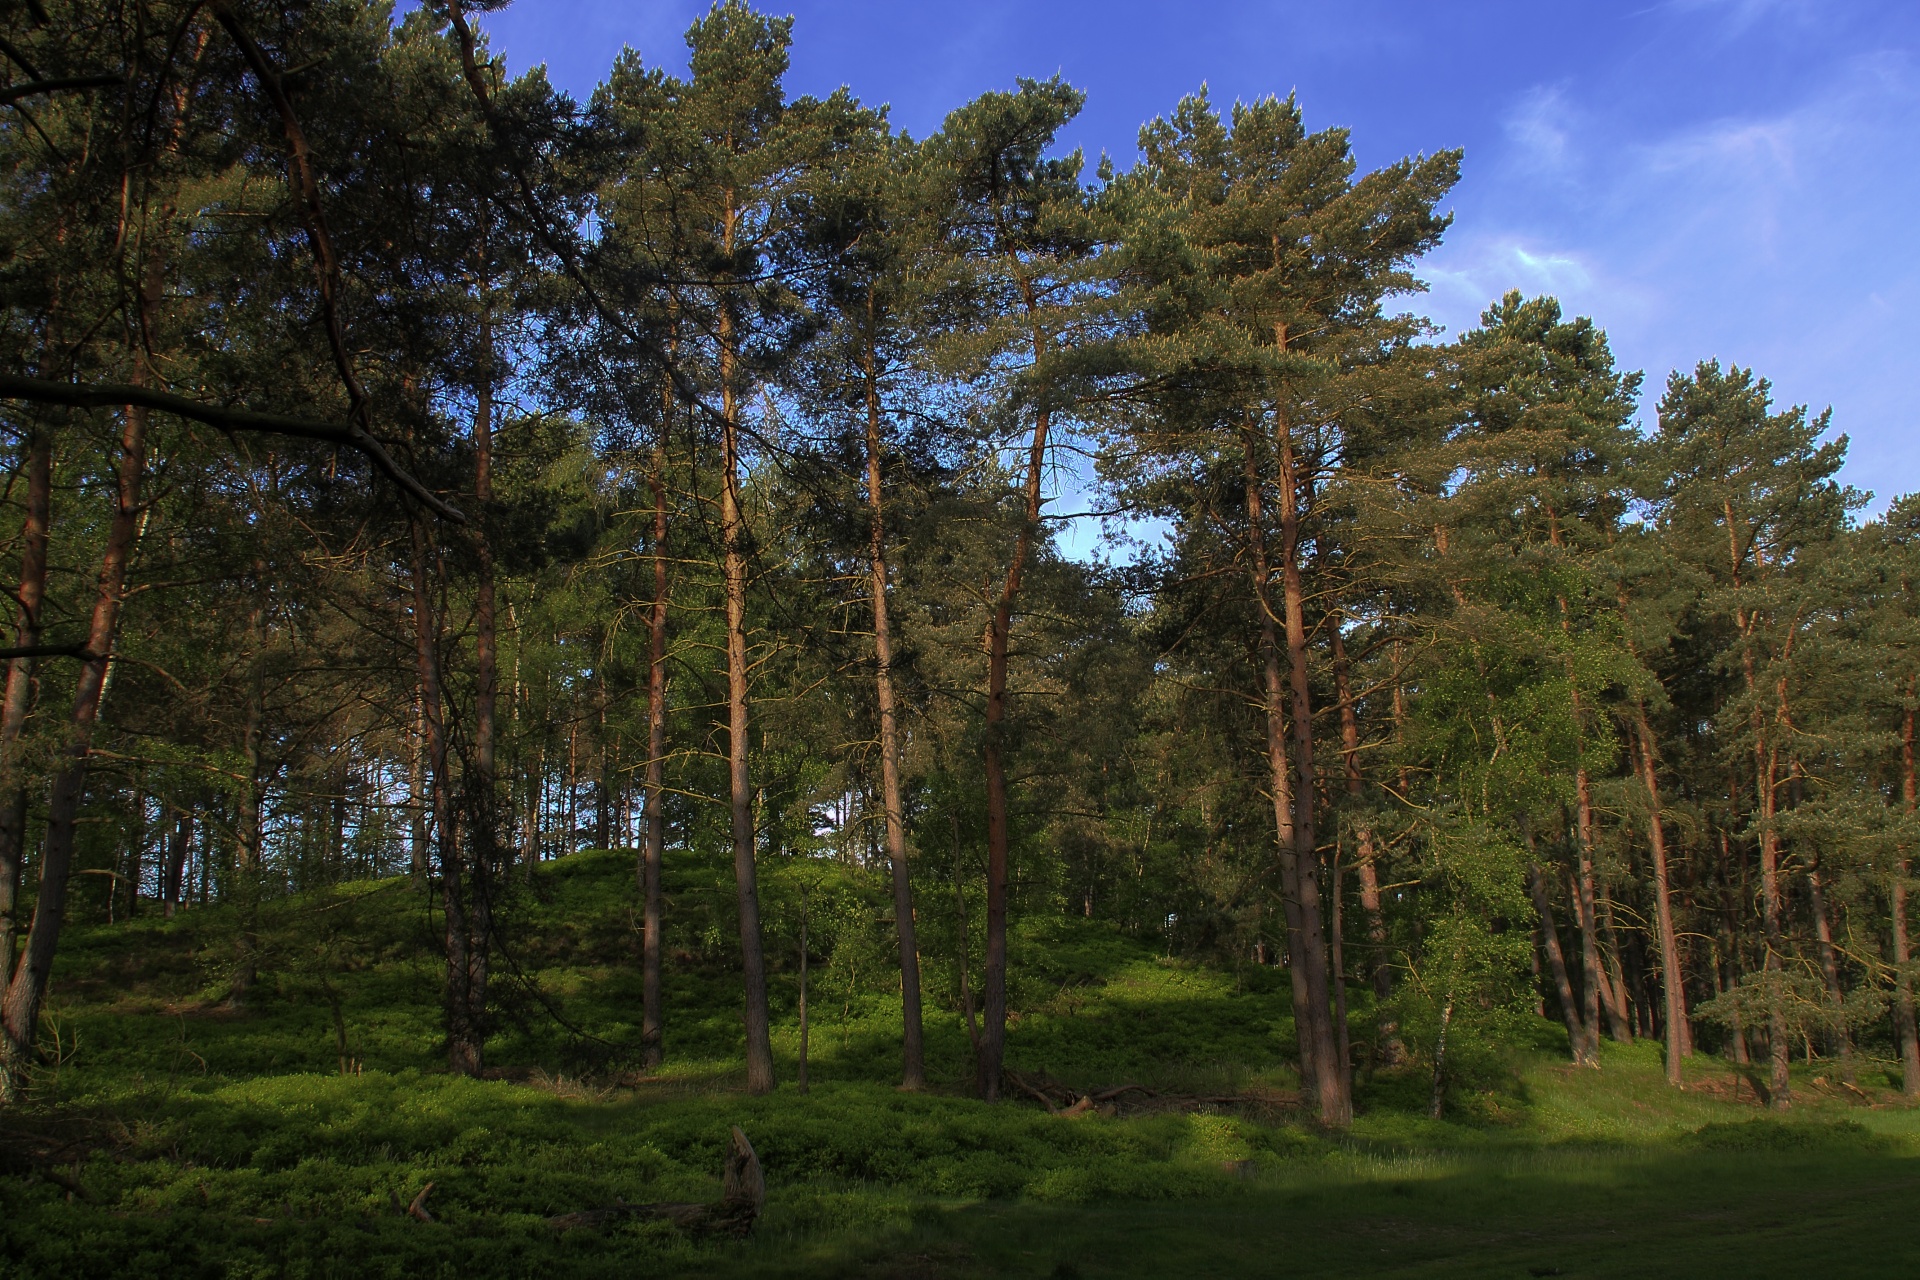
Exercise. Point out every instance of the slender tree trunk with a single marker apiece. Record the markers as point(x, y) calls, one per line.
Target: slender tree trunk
point(420, 862)
point(1580, 1045)
point(466, 1038)
point(1672, 970)
point(1331, 1083)
point(913, 1054)
point(1594, 986)
point(1766, 780)
point(1830, 971)
point(1279, 769)
point(1613, 988)
point(249, 809)
point(1903, 1019)
point(137, 846)
point(180, 844)
point(1379, 976)
point(607, 768)
point(20, 1019)
point(993, 1031)
point(1437, 1100)
point(1772, 909)
point(482, 819)
point(746, 877)
point(18, 698)
point(800, 1073)
point(966, 945)
point(1336, 946)
point(653, 848)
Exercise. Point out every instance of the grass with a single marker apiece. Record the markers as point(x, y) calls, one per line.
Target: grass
point(209, 1141)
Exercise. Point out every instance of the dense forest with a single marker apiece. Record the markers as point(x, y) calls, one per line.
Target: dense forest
point(412, 471)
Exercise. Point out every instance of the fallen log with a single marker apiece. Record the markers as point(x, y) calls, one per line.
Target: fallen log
point(743, 1196)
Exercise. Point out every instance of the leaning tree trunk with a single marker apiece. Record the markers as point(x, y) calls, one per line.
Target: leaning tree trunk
point(20, 1018)
point(1581, 1047)
point(1672, 972)
point(19, 691)
point(913, 1055)
point(753, 960)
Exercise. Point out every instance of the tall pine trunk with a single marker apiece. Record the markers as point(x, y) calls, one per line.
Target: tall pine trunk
point(465, 1033)
point(1332, 1087)
point(993, 1031)
point(1279, 768)
point(913, 1054)
point(18, 698)
point(654, 838)
point(1379, 975)
point(1765, 784)
point(482, 817)
point(26, 992)
point(179, 846)
point(1580, 1045)
point(1830, 969)
point(753, 962)
point(1672, 972)
point(1903, 1019)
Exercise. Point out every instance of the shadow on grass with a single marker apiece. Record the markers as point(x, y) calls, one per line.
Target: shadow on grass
point(1681, 1214)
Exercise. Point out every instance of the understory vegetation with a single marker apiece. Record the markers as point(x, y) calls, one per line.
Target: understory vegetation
point(179, 1136)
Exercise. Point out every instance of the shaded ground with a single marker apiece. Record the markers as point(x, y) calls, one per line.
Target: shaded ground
point(176, 1135)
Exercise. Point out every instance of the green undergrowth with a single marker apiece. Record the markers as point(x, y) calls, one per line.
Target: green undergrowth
point(282, 1134)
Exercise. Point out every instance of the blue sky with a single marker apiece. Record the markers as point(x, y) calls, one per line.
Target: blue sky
point(1730, 178)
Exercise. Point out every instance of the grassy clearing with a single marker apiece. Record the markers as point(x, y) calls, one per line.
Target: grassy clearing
point(209, 1141)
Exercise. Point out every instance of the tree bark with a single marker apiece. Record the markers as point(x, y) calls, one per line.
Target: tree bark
point(179, 846)
point(419, 860)
point(746, 877)
point(18, 698)
point(1672, 971)
point(1903, 1019)
point(1379, 976)
point(1766, 781)
point(993, 1031)
point(20, 1020)
point(654, 838)
point(1596, 991)
point(1331, 1083)
point(466, 1039)
point(913, 1054)
point(1830, 971)
point(1279, 769)
point(1581, 1047)
point(482, 819)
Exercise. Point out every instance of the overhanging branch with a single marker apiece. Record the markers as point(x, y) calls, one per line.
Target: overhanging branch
point(110, 395)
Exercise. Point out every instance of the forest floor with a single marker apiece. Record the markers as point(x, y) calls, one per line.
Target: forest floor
point(177, 1133)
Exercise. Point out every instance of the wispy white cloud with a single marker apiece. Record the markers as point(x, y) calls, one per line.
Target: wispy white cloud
point(1739, 15)
point(1774, 239)
point(1540, 129)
